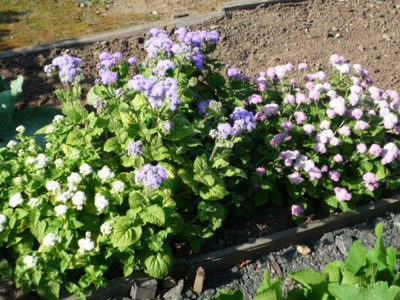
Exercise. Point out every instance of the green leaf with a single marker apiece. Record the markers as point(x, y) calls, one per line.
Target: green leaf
point(216, 192)
point(233, 172)
point(356, 257)
point(309, 277)
point(156, 265)
point(112, 145)
point(333, 270)
point(273, 292)
point(136, 199)
point(200, 165)
point(229, 295)
point(124, 233)
point(213, 212)
point(75, 138)
point(378, 290)
point(16, 86)
point(153, 214)
point(182, 128)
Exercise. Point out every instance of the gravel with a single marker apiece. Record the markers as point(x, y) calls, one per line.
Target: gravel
point(325, 249)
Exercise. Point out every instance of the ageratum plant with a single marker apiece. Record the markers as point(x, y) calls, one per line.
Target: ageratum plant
point(162, 150)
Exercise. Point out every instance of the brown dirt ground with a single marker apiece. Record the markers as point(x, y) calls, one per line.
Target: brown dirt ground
point(364, 31)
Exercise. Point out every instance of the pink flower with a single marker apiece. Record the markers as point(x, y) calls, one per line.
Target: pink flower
point(295, 178)
point(370, 181)
point(255, 99)
point(302, 98)
point(342, 194)
point(315, 173)
point(260, 171)
point(334, 141)
point(344, 130)
point(287, 125)
point(296, 210)
point(357, 113)
point(325, 125)
point(375, 150)
point(389, 121)
point(334, 175)
point(309, 129)
point(289, 99)
point(324, 168)
point(389, 153)
point(300, 117)
point(338, 158)
point(320, 75)
point(302, 66)
point(261, 81)
point(270, 109)
point(361, 125)
point(361, 148)
point(320, 147)
point(338, 105)
point(279, 138)
point(330, 113)
point(314, 94)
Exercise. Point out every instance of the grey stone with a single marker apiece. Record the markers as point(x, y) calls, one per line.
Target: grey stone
point(176, 291)
point(144, 289)
point(344, 242)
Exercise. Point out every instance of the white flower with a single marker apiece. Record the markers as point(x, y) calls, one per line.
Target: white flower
point(105, 173)
point(85, 245)
point(60, 210)
point(85, 169)
point(3, 219)
point(16, 200)
point(51, 240)
point(30, 261)
point(11, 144)
point(20, 129)
point(30, 160)
point(73, 180)
point(18, 180)
point(58, 162)
point(2, 227)
point(106, 228)
point(52, 186)
point(64, 196)
point(75, 154)
point(48, 145)
point(33, 202)
point(79, 199)
point(100, 202)
point(21, 152)
point(117, 187)
point(57, 118)
point(41, 161)
point(343, 68)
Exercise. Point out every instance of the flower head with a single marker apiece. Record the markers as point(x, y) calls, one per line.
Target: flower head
point(296, 210)
point(151, 176)
point(342, 194)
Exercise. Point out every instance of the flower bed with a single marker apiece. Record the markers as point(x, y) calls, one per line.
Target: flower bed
point(166, 148)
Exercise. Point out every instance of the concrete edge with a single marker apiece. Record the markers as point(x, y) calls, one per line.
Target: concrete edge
point(138, 29)
point(226, 258)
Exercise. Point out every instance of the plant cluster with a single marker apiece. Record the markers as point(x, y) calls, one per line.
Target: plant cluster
point(364, 275)
point(165, 148)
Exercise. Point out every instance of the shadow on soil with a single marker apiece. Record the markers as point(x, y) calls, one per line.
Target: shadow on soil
point(7, 17)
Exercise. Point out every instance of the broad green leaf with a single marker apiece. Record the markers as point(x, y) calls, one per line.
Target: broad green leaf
point(153, 214)
point(216, 192)
point(156, 265)
point(16, 86)
point(112, 145)
point(200, 165)
point(274, 292)
point(233, 172)
point(213, 212)
point(333, 270)
point(181, 129)
point(309, 277)
point(382, 172)
point(356, 257)
point(136, 199)
point(378, 290)
point(124, 233)
point(229, 295)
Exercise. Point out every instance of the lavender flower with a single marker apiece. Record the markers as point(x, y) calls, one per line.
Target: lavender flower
point(389, 153)
point(295, 178)
point(151, 176)
point(107, 76)
point(224, 130)
point(108, 60)
point(334, 175)
point(342, 194)
point(279, 138)
point(300, 117)
point(202, 106)
point(261, 81)
point(338, 158)
point(260, 171)
point(370, 181)
point(375, 150)
point(243, 120)
point(296, 210)
point(135, 148)
point(163, 66)
point(68, 67)
point(234, 74)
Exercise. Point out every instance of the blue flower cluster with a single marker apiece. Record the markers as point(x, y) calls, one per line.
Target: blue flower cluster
point(68, 67)
point(157, 90)
point(107, 61)
point(151, 176)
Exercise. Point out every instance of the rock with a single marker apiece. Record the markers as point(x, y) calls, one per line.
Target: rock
point(144, 289)
point(169, 282)
point(328, 238)
point(175, 292)
point(303, 249)
point(199, 280)
point(344, 243)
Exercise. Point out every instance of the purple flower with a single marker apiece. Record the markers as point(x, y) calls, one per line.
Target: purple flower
point(315, 173)
point(324, 168)
point(370, 181)
point(135, 148)
point(243, 120)
point(151, 176)
point(300, 117)
point(132, 60)
point(289, 99)
point(224, 130)
point(108, 60)
point(356, 113)
point(295, 178)
point(261, 81)
point(163, 66)
point(302, 98)
point(234, 73)
point(342, 194)
point(320, 147)
point(389, 153)
point(279, 138)
point(202, 106)
point(159, 43)
point(107, 76)
point(296, 210)
point(302, 66)
point(287, 125)
point(260, 171)
point(270, 109)
point(68, 67)
point(334, 175)
point(167, 126)
point(344, 130)
point(338, 158)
